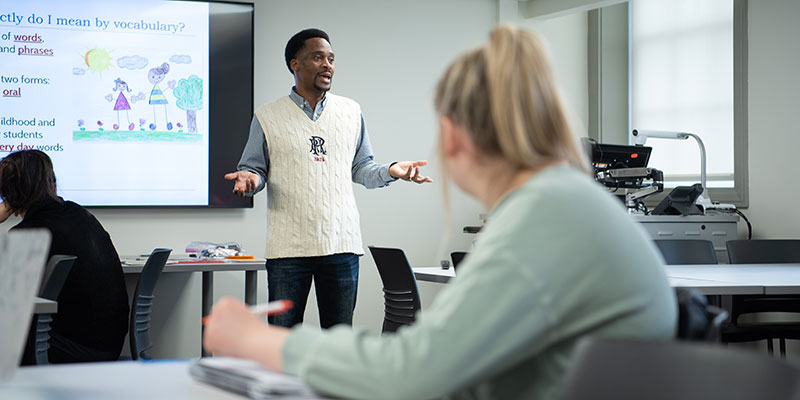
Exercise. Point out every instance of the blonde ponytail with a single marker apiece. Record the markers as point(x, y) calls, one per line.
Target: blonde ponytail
point(504, 94)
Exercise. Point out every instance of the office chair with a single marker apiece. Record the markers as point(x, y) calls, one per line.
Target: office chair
point(400, 294)
point(691, 251)
point(55, 274)
point(763, 252)
point(143, 301)
point(619, 369)
point(678, 252)
point(697, 320)
point(457, 257)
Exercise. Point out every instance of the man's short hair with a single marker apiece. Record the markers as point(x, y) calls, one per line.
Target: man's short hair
point(297, 42)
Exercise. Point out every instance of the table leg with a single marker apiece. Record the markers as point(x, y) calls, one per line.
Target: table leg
point(208, 301)
point(250, 287)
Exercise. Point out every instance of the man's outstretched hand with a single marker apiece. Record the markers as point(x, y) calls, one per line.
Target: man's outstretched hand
point(409, 171)
point(244, 181)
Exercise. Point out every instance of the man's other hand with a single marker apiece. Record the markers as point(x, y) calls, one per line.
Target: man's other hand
point(409, 171)
point(244, 181)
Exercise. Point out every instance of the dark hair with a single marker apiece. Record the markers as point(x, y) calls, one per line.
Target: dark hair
point(117, 82)
point(297, 42)
point(26, 178)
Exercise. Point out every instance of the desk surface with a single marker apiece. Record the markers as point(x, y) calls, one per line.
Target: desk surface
point(129, 267)
point(434, 274)
point(710, 279)
point(709, 287)
point(44, 306)
point(118, 380)
point(774, 278)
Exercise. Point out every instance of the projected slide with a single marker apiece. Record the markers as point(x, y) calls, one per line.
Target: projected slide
point(115, 92)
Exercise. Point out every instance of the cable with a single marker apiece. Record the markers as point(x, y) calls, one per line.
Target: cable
point(749, 227)
point(646, 210)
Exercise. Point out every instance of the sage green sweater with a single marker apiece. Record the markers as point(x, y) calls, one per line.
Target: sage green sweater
point(558, 259)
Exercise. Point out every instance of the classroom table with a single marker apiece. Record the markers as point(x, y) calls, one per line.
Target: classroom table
point(250, 269)
point(131, 265)
point(118, 380)
point(709, 279)
point(434, 274)
point(773, 278)
point(715, 288)
point(44, 306)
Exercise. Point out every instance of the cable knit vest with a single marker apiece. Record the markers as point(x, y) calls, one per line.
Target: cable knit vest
point(311, 207)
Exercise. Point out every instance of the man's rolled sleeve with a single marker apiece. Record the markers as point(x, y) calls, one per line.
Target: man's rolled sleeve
point(255, 157)
point(365, 170)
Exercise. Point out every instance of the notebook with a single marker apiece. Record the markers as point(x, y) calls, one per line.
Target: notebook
point(23, 255)
point(250, 379)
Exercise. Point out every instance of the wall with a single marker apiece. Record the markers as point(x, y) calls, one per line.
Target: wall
point(774, 97)
point(567, 39)
point(389, 55)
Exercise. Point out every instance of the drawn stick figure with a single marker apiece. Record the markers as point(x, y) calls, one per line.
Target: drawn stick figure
point(122, 102)
point(155, 76)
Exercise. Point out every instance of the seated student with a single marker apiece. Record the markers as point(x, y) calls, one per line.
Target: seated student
point(92, 317)
point(558, 259)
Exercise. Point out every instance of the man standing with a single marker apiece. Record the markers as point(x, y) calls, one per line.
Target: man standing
point(308, 147)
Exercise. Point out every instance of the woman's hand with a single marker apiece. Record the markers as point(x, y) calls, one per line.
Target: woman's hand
point(232, 330)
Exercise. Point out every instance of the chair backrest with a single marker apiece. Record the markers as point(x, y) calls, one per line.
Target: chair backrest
point(691, 251)
point(21, 267)
point(55, 274)
point(457, 256)
point(605, 369)
point(400, 293)
point(763, 251)
point(143, 301)
point(697, 320)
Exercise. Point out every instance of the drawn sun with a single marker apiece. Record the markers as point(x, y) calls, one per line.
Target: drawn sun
point(98, 60)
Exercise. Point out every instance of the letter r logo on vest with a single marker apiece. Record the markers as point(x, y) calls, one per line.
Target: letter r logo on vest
point(317, 148)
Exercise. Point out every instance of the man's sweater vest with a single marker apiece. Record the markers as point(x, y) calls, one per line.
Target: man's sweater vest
point(311, 207)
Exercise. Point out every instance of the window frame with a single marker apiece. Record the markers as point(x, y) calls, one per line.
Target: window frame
point(610, 82)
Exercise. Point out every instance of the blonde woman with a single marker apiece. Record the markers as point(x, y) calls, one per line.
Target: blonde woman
point(559, 258)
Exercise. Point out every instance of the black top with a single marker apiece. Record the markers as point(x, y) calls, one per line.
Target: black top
point(93, 304)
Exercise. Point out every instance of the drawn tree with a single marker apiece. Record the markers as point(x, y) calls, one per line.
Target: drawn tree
point(189, 93)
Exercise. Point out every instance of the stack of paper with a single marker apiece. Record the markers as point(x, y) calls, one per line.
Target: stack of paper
point(249, 378)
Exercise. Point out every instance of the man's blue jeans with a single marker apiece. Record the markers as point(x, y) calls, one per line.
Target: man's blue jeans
point(335, 280)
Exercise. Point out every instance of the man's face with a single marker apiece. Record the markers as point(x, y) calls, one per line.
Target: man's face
point(313, 65)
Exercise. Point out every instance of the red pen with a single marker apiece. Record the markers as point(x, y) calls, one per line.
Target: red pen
point(276, 307)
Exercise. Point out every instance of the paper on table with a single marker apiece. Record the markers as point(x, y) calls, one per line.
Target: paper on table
point(249, 378)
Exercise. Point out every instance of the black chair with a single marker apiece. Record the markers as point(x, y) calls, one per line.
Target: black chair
point(608, 369)
point(691, 251)
point(55, 274)
point(697, 320)
point(763, 252)
point(457, 256)
point(143, 301)
point(678, 252)
point(400, 294)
